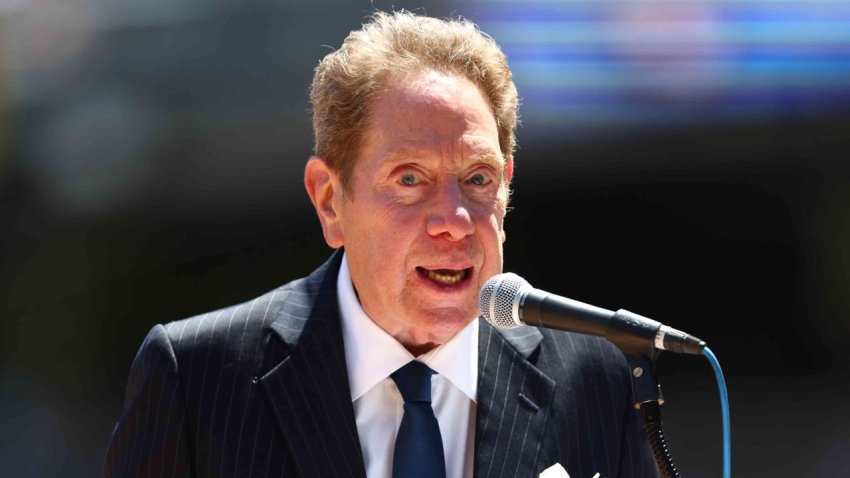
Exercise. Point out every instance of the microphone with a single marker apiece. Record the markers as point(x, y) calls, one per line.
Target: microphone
point(508, 301)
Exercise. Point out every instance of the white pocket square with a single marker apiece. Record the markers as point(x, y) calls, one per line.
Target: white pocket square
point(558, 471)
point(555, 471)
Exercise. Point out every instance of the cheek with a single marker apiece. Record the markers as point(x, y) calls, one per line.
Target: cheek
point(391, 230)
point(492, 232)
point(394, 223)
point(497, 223)
point(493, 214)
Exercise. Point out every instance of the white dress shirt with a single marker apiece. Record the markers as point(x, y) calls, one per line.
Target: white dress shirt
point(371, 355)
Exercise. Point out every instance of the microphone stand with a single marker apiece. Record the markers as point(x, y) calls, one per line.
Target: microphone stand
point(636, 339)
point(647, 397)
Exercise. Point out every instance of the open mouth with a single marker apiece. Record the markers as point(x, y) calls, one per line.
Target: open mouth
point(444, 276)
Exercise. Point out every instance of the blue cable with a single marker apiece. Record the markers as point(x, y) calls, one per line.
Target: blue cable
point(724, 410)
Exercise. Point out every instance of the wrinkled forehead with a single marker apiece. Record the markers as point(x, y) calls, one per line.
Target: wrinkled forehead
point(433, 107)
point(404, 153)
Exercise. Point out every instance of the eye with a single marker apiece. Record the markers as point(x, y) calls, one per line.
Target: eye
point(479, 179)
point(409, 179)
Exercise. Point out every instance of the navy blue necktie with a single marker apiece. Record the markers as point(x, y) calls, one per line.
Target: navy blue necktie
point(418, 446)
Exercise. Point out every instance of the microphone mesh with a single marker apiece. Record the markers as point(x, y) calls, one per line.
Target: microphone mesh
point(497, 299)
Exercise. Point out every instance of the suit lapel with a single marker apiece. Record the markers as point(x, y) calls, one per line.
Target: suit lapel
point(308, 389)
point(309, 394)
point(514, 398)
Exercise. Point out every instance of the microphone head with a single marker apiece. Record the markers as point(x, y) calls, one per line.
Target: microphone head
point(500, 298)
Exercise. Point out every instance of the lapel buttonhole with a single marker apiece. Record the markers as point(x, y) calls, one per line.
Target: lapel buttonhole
point(528, 402)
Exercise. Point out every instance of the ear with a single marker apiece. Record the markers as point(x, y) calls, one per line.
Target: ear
point(509, 176)
point(509, 169)
point(325, 191)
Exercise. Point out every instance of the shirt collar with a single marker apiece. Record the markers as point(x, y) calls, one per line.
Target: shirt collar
point(371, 354)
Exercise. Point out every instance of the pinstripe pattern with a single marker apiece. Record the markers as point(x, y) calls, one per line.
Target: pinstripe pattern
point(214, 395)
point(547, 396)
point(261, 389)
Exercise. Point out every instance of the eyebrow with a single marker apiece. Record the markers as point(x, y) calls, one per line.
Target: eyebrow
point(406, 153)
point(402, 154)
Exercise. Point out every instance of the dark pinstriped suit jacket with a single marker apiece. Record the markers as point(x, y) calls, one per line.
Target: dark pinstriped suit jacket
point(261, 389)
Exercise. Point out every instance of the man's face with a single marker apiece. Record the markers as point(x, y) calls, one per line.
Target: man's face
point(422, 223)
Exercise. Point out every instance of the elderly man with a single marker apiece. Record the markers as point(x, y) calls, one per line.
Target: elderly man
point(376, 364)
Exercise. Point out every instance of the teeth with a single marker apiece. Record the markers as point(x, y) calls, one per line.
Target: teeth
point(447, 279)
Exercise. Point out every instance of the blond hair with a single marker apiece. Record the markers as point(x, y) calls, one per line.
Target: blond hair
point(387, 48)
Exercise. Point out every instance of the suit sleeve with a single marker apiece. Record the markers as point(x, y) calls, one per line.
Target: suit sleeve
point(150, 438)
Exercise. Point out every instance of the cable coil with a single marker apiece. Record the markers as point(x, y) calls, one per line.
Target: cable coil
point(655, 435)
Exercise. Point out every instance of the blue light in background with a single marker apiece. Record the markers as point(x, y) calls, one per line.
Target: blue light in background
point(584, 67)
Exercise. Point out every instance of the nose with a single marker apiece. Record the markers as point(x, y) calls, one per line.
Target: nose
point(449, 215)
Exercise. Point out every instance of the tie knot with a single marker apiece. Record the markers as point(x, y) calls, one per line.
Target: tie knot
point(414, 381)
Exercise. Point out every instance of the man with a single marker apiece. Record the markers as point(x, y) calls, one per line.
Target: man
point(414, 123)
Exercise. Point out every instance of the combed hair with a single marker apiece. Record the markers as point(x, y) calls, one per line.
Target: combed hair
point(391, 46)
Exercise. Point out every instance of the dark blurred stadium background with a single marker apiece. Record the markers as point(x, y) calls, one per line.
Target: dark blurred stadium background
point(684, 160)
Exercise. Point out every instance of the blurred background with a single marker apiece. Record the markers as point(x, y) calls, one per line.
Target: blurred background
point(684, 160)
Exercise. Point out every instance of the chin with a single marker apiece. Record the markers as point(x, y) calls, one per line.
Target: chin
point(443, 326)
